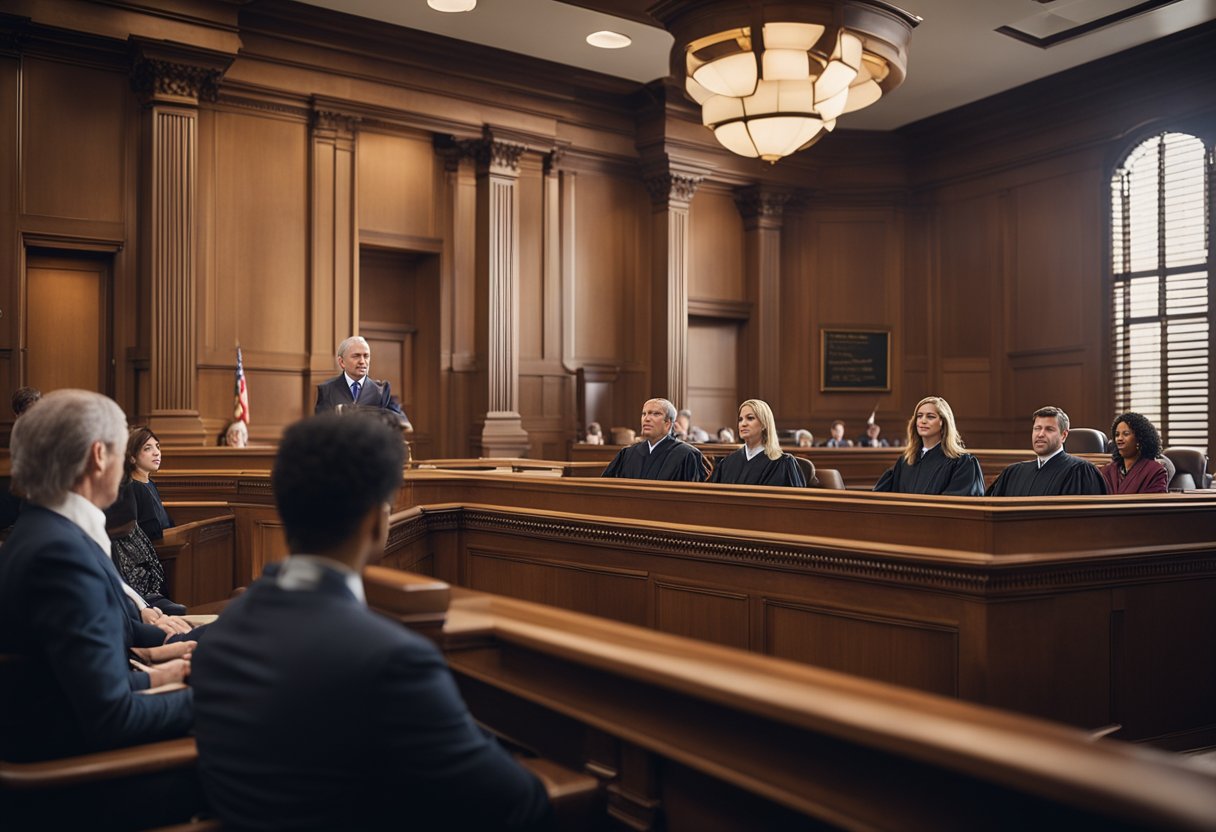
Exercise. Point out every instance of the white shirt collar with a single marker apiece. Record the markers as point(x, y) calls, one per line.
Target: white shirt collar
point(751, 454)
point(654, 445)
point(303, 572)
point(1043, 460)
point(350, 381)
point(92, 521)
point(924, 450)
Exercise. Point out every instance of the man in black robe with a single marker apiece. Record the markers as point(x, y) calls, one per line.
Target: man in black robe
point(659, 456)
point(1054, 472)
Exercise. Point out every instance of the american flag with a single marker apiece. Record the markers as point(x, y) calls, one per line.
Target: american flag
point(240, 396)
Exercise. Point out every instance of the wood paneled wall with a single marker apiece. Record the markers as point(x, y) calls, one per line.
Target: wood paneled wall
point(980, 246)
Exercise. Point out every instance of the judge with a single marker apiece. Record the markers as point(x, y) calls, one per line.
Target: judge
point(354, 386)
point(760, 460)
point(659, 456)
point(934, 459)
point(1135, 469)
point(1054, 472)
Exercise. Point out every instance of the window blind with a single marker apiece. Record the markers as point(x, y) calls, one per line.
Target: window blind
point(1160, 287)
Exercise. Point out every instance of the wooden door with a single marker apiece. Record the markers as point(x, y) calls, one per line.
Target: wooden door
point(67, 324)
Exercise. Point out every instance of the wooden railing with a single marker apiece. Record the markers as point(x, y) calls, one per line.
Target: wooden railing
point(687, 735)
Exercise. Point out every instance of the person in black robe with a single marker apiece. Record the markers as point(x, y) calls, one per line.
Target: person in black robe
point(1054, 472)
point(760, 460)
point(659, 456)
point(934, 461)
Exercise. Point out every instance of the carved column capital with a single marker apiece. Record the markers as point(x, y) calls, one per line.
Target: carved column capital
point(761, 204)
point(670, 188)
point(171, 74)
point(493, 155)
point(340, 124)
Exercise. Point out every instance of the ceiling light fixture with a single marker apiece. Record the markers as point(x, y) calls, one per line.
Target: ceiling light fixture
point(609, 40)
point(773, 79)
point(452, 5)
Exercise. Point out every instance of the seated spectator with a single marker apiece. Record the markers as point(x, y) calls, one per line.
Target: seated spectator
point(143, 460)
point(10, 503)
point(312, 711)
point(24, 398)
point(236, 435)
point(62, 606)
point(837, 439)
point(1134, 468)
point(803, 438)
point(595, 434)
point(760, 460)
point(726, 436)
point(871, 438)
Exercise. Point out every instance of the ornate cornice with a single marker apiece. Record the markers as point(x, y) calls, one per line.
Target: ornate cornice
point(334, 121)
point(493, 155)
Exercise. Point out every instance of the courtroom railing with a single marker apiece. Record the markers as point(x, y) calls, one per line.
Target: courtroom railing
point(686, 735)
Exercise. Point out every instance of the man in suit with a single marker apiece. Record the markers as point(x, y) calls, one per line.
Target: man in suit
point(312, 711)
point(353, 386)
point(62, 607)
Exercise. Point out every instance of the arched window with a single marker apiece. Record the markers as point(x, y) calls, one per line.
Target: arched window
point(1161, 286)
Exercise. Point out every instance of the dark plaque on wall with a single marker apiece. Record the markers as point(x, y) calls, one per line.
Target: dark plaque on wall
point(855, 360)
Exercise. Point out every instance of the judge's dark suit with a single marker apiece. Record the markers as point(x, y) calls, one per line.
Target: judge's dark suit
point(313, 712)
point(63, 611)
point(372, 393)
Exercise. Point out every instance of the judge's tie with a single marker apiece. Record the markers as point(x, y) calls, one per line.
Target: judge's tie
point(354, 392)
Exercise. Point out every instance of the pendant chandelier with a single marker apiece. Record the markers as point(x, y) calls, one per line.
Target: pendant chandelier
point(772, 77)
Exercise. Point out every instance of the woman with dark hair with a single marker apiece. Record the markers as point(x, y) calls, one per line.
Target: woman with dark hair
point(1134, 468)
point(934, 460)
point(137, 518)
point(760, 460)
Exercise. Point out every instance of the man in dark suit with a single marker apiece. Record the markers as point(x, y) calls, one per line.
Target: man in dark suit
point(62, 607)
point(353, 386)
point(313, 712)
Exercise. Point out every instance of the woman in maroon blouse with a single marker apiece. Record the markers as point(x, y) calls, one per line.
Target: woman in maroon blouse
point(1135, 469)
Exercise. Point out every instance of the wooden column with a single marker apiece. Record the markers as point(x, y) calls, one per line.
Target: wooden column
point(761, 207)
point(671, 193)
point(170, 80)
point(335, 245)
point(497, 161)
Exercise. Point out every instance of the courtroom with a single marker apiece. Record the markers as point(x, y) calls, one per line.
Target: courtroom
point(607, 415)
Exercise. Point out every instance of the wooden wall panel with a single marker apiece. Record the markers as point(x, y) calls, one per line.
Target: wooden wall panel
point(397, 182)
point(532, 321)
point(74, 135)
point(702, 612)
point(611, 321)
point(715, 244)
point(275, 398)
point(713, 394)
point(612, 593)
point(919, 654)
point(259, 297)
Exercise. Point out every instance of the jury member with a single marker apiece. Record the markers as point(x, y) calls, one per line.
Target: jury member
point(1134, 468)
point(760, 460)
point(353, 386)
point(62, 606)
point(803, 438)
point(314, 712)
point(837, 440)
point(872, 437)
point(659, 455)
point(1054, 471)
point(934, 460)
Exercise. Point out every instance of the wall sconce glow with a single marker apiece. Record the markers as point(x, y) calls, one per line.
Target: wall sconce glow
point(609, 40)
point(452, 5)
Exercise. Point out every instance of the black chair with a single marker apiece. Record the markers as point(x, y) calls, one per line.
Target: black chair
point(1192, 465)
point(1085, 441)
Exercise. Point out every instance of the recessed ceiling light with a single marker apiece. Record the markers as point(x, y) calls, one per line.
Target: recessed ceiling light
point(609, 40)
point(452, 5)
